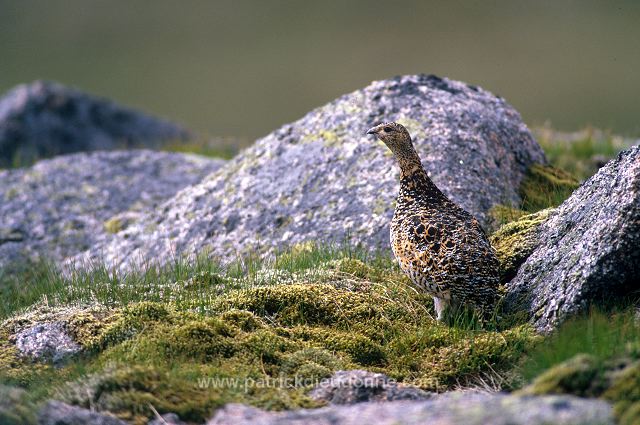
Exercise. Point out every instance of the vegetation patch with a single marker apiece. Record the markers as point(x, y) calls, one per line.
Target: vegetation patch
point(256, 333)
point(545, 186)
point(580, 153)
point(597, 355)
point(515, 241)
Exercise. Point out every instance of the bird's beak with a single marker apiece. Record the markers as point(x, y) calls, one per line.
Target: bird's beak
point(372, 130)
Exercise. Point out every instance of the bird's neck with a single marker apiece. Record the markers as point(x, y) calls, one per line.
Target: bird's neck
point(414, 181)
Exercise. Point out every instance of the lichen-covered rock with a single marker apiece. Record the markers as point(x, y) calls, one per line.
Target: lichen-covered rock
point(516, 240)
point(356, 386)
point(47, 342)
point(587, 249)
point(43, 119)
point(322, 179)
point(59, 413)
point(62, 206)
point(49, 334)
point(470, 409)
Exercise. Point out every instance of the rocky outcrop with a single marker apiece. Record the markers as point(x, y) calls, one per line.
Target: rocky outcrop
point(47, 341)
point(322, 179)
point(62, 206)
point(44, 119)
point(587, 249)
point(58, 413)
point(470, 409)
point(356, 386)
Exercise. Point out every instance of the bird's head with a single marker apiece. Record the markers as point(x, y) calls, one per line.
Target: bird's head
point(394, 135)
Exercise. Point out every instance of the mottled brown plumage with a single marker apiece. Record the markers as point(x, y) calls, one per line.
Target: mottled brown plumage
point(440, 246)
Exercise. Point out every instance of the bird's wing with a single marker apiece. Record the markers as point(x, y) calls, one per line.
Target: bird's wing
point(446, 249)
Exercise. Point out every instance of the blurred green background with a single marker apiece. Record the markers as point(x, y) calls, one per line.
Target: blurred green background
point(243, 68)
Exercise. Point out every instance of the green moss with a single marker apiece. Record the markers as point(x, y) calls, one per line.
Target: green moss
point(515, 241)
point(452, 359)
point(113, 225)
point(354, 267)
point(624, 392)
point(500, 215)
point(129, 391)
point(242, 319)
point(130, 321)
point(304, 304)
point(545, 186)
point(615, 380)
point(359, 348)
point(311, 364)
point(580, 375)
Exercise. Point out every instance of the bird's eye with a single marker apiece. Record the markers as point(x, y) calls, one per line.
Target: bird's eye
point(388, 129)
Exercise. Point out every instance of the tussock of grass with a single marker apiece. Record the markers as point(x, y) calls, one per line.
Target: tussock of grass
point(302, 316)
point(545, 187)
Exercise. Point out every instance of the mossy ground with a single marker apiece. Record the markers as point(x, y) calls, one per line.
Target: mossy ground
point(258, 333)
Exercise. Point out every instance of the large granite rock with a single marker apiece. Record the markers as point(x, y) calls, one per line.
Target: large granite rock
point(322, 179)
point(44, 119)
point(357, 386)
point(468, 409)
point(62, 206)
point(588, 250)
point(58, 413)
point(46, 342)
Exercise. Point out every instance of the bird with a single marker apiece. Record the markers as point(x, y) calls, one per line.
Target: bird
point(441, 247)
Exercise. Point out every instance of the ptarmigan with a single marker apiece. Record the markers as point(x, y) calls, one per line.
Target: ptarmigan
point(440, 246)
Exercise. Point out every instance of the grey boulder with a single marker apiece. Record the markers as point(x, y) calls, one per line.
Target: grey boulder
point(468, 409)
point(322, 179)
point(63, 206)
point(588, 250)
point(44, 119)
point(58, 413)
point(46, 342)
point(356, 386)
